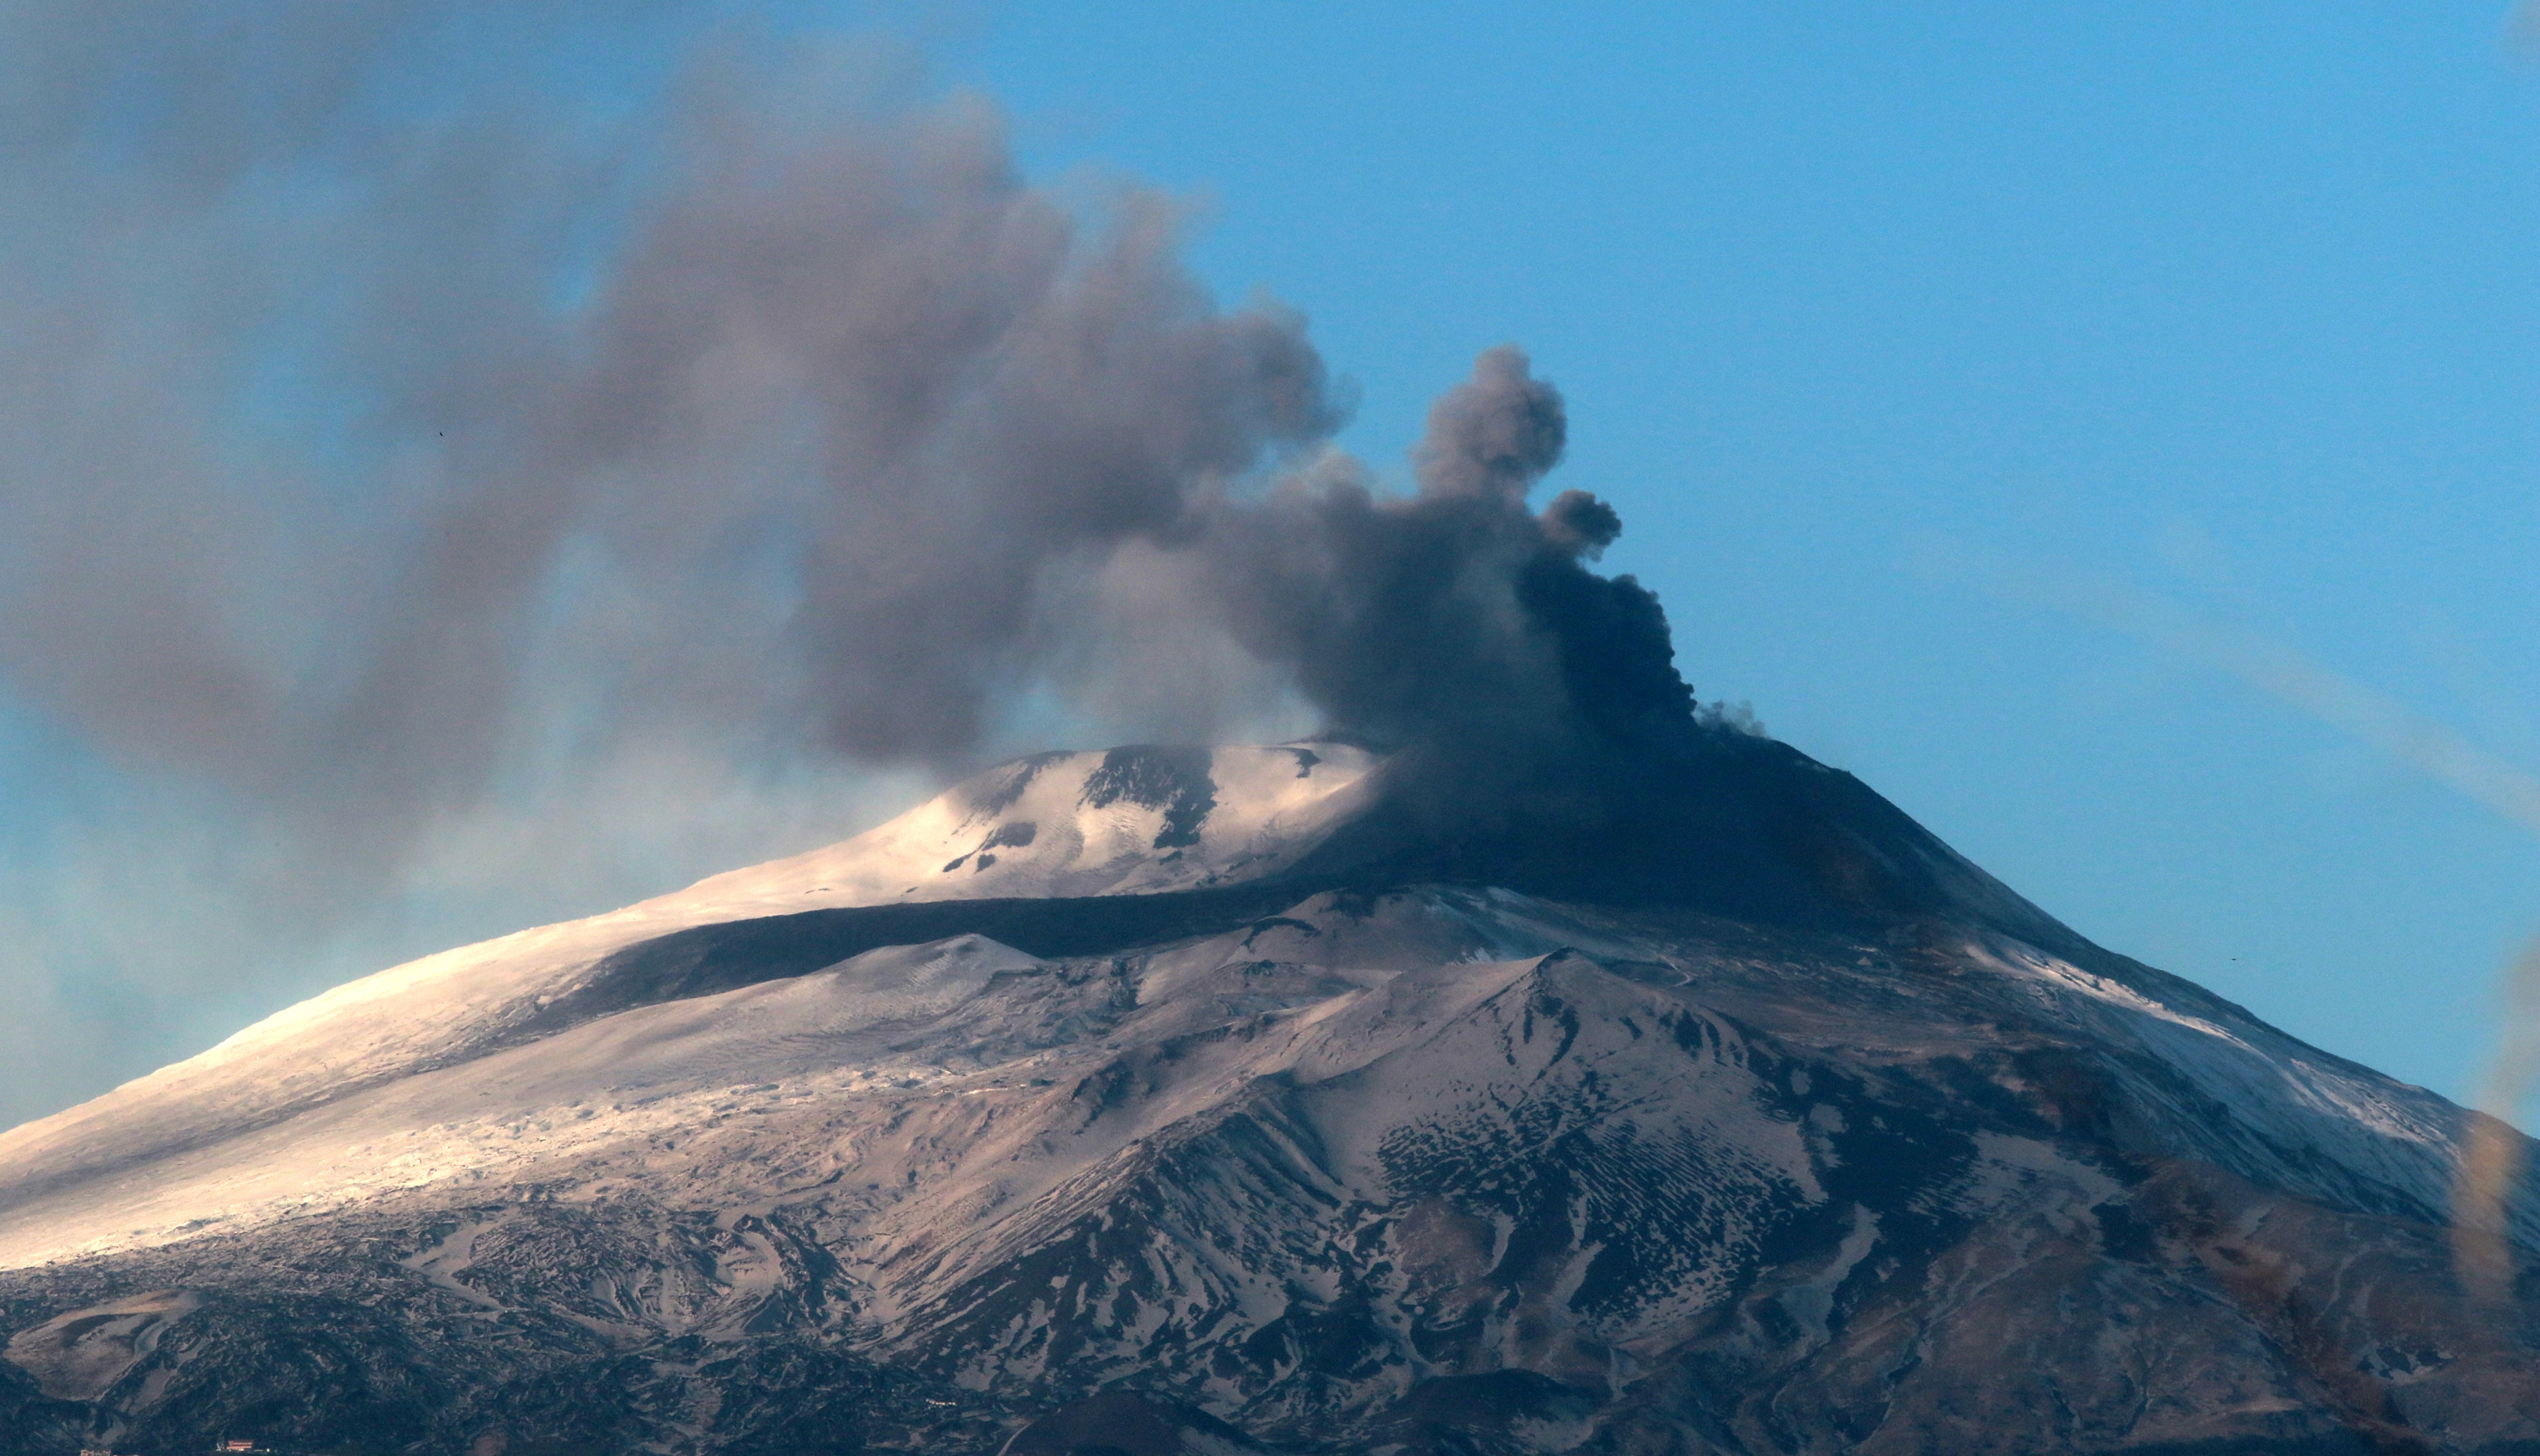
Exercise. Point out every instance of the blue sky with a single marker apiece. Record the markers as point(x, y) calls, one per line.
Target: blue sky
point(1873, 320)
point(2233, 304)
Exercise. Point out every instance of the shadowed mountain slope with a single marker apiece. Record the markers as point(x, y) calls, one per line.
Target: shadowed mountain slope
point(1295, 1098)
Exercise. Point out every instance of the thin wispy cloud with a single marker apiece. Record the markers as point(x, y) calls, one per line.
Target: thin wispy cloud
point(2492, 1169)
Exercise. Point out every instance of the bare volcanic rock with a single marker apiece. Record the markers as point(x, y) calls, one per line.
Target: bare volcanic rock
point(1262, 1100)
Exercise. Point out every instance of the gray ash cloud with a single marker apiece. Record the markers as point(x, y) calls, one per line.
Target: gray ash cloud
point(1455, 612)
point(317, 476)
point(420, 413)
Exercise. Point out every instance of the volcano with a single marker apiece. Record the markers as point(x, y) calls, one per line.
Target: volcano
point(1302, 1099)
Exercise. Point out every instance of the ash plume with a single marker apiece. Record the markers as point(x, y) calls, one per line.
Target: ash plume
point(403, 442)
point(1456, 612)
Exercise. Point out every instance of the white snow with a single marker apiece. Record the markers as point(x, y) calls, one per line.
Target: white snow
point(1269, 805)
point(953, 1068)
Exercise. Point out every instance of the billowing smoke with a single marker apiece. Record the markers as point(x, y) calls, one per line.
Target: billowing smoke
point(400, 439)
point(1455, 610)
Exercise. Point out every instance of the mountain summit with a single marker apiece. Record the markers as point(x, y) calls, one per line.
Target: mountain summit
point(1304, 1098)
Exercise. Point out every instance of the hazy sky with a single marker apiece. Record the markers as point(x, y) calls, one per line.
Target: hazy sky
point(1882, 326)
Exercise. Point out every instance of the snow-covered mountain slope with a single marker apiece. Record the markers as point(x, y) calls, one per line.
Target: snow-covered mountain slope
point(1136, 820)
point(1199, 1153)
point(1126, 822)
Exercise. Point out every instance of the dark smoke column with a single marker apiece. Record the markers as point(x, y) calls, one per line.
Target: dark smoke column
point(1459, 619)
